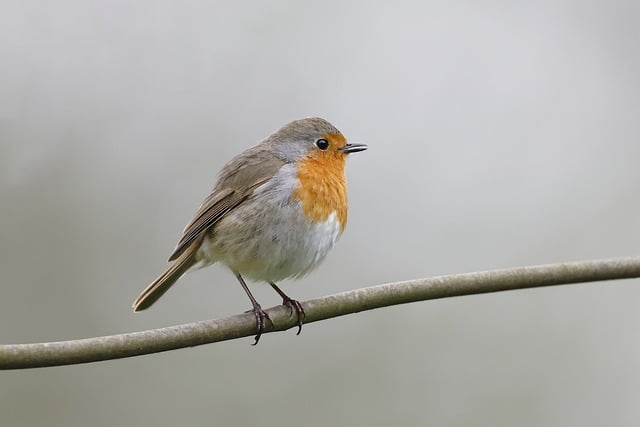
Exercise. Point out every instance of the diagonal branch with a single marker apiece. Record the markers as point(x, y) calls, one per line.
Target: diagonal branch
point(21, 356)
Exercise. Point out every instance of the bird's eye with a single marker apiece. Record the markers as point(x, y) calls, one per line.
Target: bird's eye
point(322, 144)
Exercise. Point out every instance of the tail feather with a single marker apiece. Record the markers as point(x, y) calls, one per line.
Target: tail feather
point(162, 284)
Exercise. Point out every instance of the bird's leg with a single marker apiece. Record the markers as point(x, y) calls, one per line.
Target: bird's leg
point(292, 304)
point(262, 317)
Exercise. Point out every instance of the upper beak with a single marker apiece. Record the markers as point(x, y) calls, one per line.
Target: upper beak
point(353, 148)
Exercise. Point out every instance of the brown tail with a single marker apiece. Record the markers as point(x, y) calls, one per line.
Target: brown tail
point(162, 284)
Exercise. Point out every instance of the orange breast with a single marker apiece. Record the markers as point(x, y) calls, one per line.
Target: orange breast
point(323, 186)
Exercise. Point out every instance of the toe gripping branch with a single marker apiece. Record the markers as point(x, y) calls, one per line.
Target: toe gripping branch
point(262, 318)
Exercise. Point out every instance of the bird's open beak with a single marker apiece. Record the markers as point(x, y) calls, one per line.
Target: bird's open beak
point(353, 148)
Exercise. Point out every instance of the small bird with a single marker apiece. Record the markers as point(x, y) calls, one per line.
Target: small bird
point(274, 214)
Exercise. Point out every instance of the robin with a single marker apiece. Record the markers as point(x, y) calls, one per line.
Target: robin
point(274, 213)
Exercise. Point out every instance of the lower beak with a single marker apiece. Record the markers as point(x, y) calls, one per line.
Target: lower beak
point(353, 148)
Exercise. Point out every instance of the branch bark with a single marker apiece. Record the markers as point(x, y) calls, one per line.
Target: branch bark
point(21, 356)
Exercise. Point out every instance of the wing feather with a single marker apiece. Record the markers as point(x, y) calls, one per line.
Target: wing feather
point(236, 183)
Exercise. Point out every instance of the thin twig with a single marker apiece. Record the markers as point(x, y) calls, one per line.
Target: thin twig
point(21, 356)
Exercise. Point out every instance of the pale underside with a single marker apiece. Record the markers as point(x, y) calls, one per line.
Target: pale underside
point(283, 243)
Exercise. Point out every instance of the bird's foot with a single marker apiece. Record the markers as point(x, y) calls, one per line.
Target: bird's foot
point(262, 319)
point(295, 305)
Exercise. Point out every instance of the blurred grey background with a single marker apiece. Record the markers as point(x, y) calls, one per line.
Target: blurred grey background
point(501, 134)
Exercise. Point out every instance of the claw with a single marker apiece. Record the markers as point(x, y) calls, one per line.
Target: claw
point(297, 306)
point(261, 316)
point(262, 319)
point(292, 304)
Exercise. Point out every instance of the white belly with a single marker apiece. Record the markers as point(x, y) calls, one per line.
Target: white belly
point(270, 246)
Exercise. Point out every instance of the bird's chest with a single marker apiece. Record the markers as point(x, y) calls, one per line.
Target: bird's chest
point(301, 244)
point(309, 224)
point(321, 190)
point(286, 229)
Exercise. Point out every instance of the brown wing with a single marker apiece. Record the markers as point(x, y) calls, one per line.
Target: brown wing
point(236, 183)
